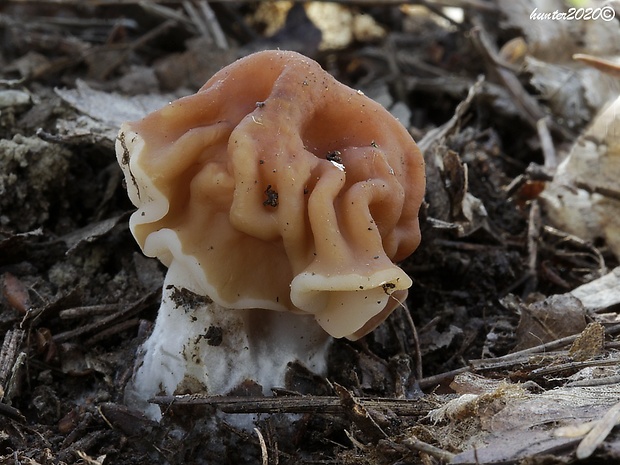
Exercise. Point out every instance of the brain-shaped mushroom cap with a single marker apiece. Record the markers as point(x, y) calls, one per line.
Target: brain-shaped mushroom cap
point(277, 187)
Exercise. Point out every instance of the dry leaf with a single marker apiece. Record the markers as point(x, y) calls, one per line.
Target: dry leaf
point(589, 344)
point(584, 198)
point(553, 318)
point(600, 293)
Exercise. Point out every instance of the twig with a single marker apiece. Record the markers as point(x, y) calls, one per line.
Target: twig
point(12, 413)
point(589, 382)
point(439, 134)
point(528, 106)
point(167, 13)
point(441, 378)
point(195, 18)
point(296, 404)
point(572, 366)
point(533, 236)
point(111, 320)
point(106, 333)
point(85, 443)
point(213, 25)
point(578, 241)
point(416, 343)
point(514, 358)
point(437, 9)
point(89, 311)
point(546, 144)
point(549, 346)
point(420, 446)
point(604, 191)
point(147, 37)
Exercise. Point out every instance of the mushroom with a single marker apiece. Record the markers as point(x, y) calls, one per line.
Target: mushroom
point(279, 199)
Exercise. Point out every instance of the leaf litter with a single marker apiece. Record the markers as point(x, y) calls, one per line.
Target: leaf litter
point(506, 351)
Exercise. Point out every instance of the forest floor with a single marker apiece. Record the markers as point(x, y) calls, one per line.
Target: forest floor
point(507, 350)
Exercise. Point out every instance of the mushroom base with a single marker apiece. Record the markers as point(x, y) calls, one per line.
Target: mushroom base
point(198, 346)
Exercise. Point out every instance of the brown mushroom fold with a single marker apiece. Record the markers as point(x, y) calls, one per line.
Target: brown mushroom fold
point(279, 188)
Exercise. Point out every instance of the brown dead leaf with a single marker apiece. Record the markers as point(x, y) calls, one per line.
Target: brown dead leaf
point(589, 344)
point(91, 232)
point(15, 292)
point(553, 318)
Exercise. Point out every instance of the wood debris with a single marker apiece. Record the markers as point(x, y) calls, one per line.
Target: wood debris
point(506, 350)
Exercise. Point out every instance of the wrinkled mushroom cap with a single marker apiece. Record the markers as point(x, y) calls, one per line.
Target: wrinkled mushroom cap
point(278, 187)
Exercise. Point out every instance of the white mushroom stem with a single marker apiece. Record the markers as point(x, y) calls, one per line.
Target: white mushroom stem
point(198, 346)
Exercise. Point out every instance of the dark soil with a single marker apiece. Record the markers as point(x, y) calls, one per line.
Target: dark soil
point(78, 297)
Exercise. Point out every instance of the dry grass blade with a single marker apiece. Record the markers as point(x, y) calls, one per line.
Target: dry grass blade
point(546, 143)
point(263, 446)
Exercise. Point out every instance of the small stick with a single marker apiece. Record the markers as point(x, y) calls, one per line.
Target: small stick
point(553, 345)
point(168, 13)
point(110, 320)
point(576, 240)
point(416, 343)
point(88, 311)
point(297, 404)
point(546, 144)
point(106, 333)
point(533, 235)
point(420, 446)
point(192, 13)
point(509, 359)
point(213, 25)
point(436, 380)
